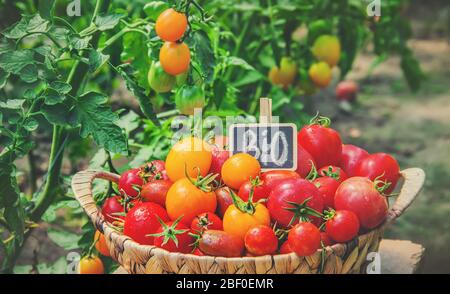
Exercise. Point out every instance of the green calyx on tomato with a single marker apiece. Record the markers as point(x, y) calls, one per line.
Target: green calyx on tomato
point(320, 120)
point(206, 183)
point(169, 232)
point(249, 206)
point(381, 185)
point(301, 211)
point(159, 80)
point(188, 98)
point(332, 174)
point(313, 174)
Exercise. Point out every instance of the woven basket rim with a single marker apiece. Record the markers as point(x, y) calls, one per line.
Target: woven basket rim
point(413, 180)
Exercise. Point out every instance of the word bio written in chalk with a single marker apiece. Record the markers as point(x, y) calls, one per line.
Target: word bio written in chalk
point(274, 145)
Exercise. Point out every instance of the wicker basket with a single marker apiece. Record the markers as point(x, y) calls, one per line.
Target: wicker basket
point(339, 258)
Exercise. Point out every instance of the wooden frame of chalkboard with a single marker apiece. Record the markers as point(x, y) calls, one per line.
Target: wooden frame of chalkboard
point(287, 134)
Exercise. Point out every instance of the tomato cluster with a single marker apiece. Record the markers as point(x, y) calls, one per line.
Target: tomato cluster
point(203, 201)
point(326, 50)
point(171, 70)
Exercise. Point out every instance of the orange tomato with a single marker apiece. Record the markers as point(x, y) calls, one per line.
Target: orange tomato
point(192, 155)
point(238, 221)
point(175, 58)
point(320, 74)
point(171, 25)
point(188, 198)
point(91, 265)
point(285, 74)
point(238, 169)
point(327, 48)
point(100, 244)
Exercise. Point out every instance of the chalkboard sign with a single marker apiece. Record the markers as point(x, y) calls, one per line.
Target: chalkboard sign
point(274, 145)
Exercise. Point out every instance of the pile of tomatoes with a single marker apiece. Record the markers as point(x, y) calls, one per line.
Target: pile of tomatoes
point(203, 201)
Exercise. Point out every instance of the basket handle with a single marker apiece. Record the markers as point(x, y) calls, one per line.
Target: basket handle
point(82, 188)
point(414, 178)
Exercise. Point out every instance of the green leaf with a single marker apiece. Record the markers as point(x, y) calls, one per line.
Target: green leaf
point(12, 104)
point(50, 214)
point(15, 61)
point(142, 156)
point(155, 8)
point(204, 53)
point(129, 122)
point(108, 21)
point(59, 114)
point(3, 78)
point(30, 124)
point(98, 120)
point(96, 60)
point(61, 87)
point(59, 267)
point(144, 100)
point(53, 97)
point(28, 24)
point(46, 8)
point(64, 239)
point(29, 73)
point(412, 71)
point(99, 159)
point(79, 43)
point(236, 61)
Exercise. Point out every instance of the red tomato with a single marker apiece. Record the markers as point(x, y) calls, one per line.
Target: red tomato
point(260, 190)
point(346, 91)
point(155, 170)
point(220, 243)
point(130, 183)
point(304, 239)
point(342, 226)
point(206, 221)
point(223, 200)
point(285, 248)
point(327, 187)
point(323, 143)
point(360, 195)
point(112, 207)
point(275, 177)
point(297, 191)
point(142, 220)
point(219, 156)
point(261, 240)
point(156, 191)
point(198, 252)
point(350, 158)
point(174, 237)
point(305, 162)
point(333, 172)
point(380, 166)
point(326, 240)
